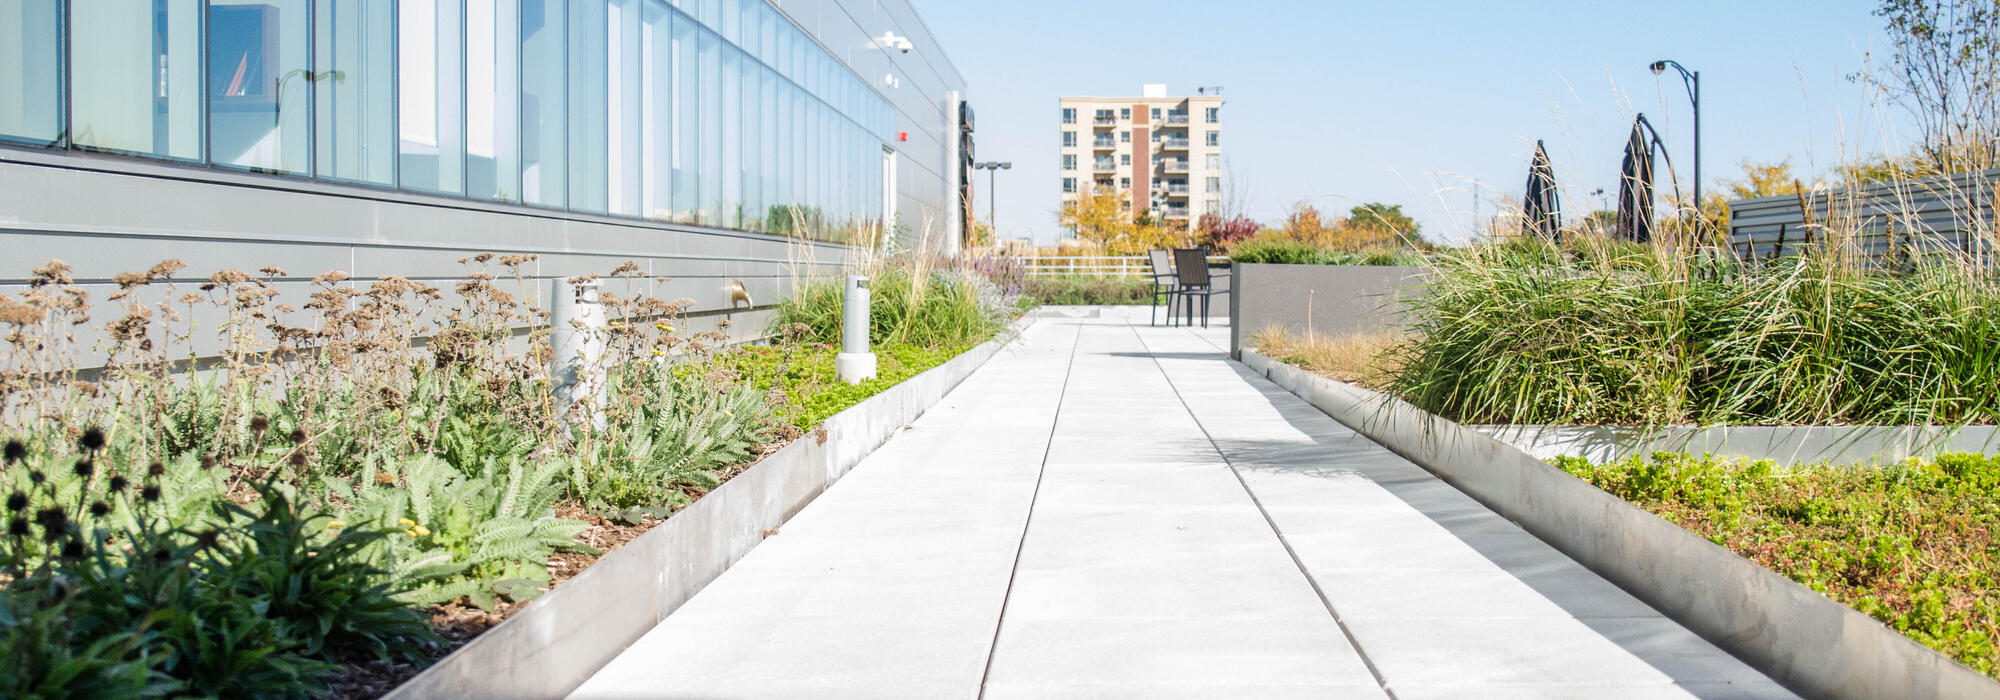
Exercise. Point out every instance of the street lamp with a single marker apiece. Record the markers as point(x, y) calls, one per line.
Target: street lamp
point(990, 167)
point(1692, 81)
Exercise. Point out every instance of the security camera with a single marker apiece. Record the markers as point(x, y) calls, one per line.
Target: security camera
point(904, 45)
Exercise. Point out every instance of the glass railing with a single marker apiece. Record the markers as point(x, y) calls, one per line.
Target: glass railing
point(1174, 143)
point(1177, 120)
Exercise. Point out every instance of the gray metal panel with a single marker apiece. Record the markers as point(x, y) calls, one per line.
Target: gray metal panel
point(1945, 213)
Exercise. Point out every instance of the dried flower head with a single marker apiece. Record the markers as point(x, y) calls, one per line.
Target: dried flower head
point(100, 509)
point(85, 468)
point(259, 423)
point(298, 436)
point(92, 440)
point(18, 527)
point(118, 483)
point(72, 550)
point(17, 502)
point(156, 469)
point(151, 493)
point(15, 451)
point(37, 477)
point(298, 459)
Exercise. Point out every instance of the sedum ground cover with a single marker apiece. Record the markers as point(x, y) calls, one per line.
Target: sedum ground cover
point(1913, 544)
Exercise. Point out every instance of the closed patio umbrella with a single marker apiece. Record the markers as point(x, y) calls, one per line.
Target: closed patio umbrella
point(1635, 185)
point(1542, 212)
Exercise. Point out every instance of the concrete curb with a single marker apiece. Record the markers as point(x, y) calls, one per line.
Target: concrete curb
point(1804, 640)
point(560, 639)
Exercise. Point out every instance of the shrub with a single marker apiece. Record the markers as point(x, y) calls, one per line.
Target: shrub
point(1276, 247)
point(1070, 291)
point(910, 302)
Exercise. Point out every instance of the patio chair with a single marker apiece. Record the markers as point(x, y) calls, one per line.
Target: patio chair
point(1163, 284)
point(1192, 280)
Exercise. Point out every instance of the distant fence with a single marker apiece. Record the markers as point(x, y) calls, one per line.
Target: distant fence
point(1097, 265)
point(1927, 214)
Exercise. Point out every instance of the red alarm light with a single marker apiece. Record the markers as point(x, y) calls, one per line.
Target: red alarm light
point(902, 136)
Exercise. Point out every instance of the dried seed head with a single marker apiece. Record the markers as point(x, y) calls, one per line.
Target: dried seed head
point(100, 509)
point(161, 555)
point(207, 539)
point(17, 502)
point(92, 440)
point(72, 550)
point(37, 477)
point(298, 436)
point(156, 469)
point(84, 468)
point(17, 527)
point(118, 484)
point(151, 493)
point(15, 451)
point(298, 459)
point(208, 461)
point(259, 423)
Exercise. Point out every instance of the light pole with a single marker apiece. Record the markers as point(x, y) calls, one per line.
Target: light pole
point(1692, 81)
point(991, 168)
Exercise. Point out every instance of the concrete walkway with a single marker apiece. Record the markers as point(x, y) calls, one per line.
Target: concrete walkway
point(1108, 509)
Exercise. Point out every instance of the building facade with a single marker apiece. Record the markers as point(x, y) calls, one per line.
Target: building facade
point(1162, 154)
point(714, 141)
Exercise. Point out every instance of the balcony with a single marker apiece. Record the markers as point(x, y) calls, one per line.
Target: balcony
point(1174, 166)
point(1103, 144)
point(1104, 122)
point(1180, 190)
point(1104, 166)
point(1177, 119)
point(1173, 212)
point(1174, 144)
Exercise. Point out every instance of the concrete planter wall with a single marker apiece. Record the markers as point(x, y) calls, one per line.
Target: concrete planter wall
point(1786, 445)
point(1813, 645)
point(1342, 298)
point(556, 642)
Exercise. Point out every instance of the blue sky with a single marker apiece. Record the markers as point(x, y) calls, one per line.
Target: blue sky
point(1421, 103)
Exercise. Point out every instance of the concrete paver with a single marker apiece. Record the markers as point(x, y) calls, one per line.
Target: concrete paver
point(1108, 509)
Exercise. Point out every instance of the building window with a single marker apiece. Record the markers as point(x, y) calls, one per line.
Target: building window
point(1124, 137)
point(1069, 185)
point(1125, 113)
point(31, 71)
point(1069, 161)
point(492, 102)
point(431, 145)
point(115, 104)
point(544, 138)
point(1125, 183)
point(1069, 115)
point(1213, 161)
point(1214, 115)
point(1156, 114)
point(260, 84)
point(1069, 139)
point(1215, 185)
point(1214, 206)
point(1103, 114)
point(1124, 159)
point(1215, 138)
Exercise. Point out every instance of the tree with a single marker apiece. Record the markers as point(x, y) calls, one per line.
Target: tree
point(1220, 233)
point(1763, 180)
point(980, 236)
point(1376, 225)
point(1303, 224)
point(1945, 71)
point(1101, 218)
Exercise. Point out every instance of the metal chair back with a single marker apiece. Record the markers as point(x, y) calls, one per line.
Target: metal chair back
point(1163, 266)
point(1191, 265)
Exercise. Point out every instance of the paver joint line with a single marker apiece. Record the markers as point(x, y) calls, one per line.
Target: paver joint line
point(1289, 552)
point(1029, 519)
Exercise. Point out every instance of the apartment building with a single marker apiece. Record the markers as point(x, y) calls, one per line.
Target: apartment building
point(1163, 154)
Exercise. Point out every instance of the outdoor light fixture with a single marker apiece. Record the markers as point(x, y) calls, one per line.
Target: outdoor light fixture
point(991, 167)
point(1691, 80)
point(889, 40)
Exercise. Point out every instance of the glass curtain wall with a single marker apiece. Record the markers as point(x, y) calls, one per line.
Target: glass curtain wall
point(710, 112)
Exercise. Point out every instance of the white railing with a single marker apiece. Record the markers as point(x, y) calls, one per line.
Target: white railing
point(1096, 265)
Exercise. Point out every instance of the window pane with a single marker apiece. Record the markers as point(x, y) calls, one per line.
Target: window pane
point(657, 133)
point(544, 140)
point(139, 90)
point(624, 151)
point(588, 170)
point(432, 143)
point(708, 111)
point(492, 101)
point(31, 70)
point(353, 85)
point(768, 145)
point(753, 182)
point(687, 197)
point(729, 206)
point(259, 84)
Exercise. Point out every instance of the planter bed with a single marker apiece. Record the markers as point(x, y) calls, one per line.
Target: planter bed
point(554, 642)
point(1786, 445)
point(1801, 638)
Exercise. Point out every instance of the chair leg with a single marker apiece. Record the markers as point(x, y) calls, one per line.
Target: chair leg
point(1204, 310)
point(1153, 317)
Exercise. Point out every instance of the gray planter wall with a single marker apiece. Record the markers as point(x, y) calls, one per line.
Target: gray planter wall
point(1343, 298)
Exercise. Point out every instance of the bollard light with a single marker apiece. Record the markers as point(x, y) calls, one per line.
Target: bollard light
point(577, 323)
point(855, 363)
